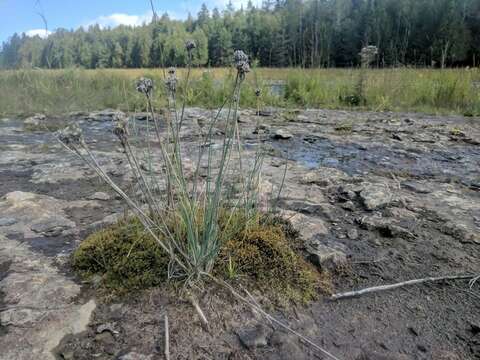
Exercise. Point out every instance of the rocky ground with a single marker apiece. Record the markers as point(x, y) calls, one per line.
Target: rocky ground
point(378, 198)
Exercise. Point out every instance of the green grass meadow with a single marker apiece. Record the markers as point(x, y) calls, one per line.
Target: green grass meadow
point(449, 91)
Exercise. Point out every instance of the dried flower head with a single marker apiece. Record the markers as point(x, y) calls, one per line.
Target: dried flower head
point(368, 54)
point(241, 62)
point(144, 86)
point(71, 135)
point(121, 129)
point(258, 92)
point(190, 45)
point(171, 81)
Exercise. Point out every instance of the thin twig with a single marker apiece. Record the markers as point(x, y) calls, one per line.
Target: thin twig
point(167, 339)
point(196, 306)
point(350, 294)
point(473, 281)
point(254, 301)
point(45, 24)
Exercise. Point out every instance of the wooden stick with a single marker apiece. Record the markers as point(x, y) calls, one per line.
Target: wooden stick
point(167, 339)
point(199, 311)
point(350, 294)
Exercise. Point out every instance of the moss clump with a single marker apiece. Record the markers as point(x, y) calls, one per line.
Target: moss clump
point(263, 251)
point(265, 254)
point(124, 255)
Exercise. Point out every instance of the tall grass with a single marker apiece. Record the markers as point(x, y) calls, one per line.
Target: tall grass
point(449, 91)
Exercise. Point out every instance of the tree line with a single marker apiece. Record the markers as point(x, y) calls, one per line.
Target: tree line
point(281, 33)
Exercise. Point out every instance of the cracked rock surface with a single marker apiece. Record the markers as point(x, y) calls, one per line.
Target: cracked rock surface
point(388, 198)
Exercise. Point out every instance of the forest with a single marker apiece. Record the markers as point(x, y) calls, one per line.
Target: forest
point(282, 33)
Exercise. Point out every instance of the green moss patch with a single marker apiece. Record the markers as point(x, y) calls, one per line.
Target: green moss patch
point(124, 255)
point(263, 254)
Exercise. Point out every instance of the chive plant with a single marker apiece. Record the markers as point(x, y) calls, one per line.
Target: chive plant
point(185, 219)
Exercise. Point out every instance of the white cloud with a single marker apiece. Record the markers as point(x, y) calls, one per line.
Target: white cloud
point(237, 4)
point(38, 32)
point(117, 19)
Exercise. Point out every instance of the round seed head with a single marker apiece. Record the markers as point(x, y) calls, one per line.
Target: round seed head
point(144, 85)
point(190, 45)
point(121, 129)
point(71, 135)
point(241, 62)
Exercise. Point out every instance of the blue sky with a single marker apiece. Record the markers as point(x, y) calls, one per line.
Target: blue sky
point(22, 15)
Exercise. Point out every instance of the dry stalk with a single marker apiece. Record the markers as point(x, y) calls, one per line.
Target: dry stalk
point(167, 339)
point(196, 306)
point(373, 289)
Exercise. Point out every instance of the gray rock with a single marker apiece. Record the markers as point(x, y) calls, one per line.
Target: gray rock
point(68, 355)
point(309, 227)
point(376, 196)
point(416, 187)
point(445, 355)
point(78, 114)
point(107, 220)
point(324, 176)
point(346, 193)
point(386, 226)
point(425, 138)
point(325, 257)
point(460, 232)
point(371, 355)
point(352, 234)
point(287, 346)
point(21, 317)
point(106, 115)
point(105, 337)
point(35, 120)
point(52, 226)
point(281, 134)
point(42, 304)
point(224, 114)
point(261, 129)
point(135, 356)
point(302, 118)
point(349, 205)
point(252, 338)
point(110, 327)
point(99, 196)
point(7, 221)
point(267, 111)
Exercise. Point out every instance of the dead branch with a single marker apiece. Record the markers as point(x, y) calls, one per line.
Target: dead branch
point(350, 294)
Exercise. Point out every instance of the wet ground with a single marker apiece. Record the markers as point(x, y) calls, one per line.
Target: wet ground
point(396, 195)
